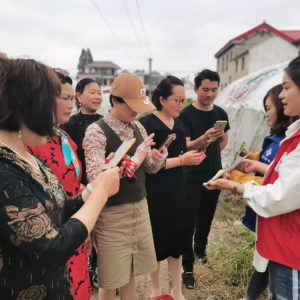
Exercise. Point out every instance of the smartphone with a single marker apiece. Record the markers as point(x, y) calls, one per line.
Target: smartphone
point(119, 154)
point(220, 125)
point(167, 142)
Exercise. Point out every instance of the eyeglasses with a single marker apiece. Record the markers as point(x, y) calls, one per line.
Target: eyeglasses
point(179, 101)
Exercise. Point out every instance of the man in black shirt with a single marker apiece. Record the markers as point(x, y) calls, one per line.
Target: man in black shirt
point(199, 119)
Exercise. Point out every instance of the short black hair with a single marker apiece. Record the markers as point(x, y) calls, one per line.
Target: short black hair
point(28, 93)
point(118, 99)
point(63, 78)
point(293, 70)
point(165, 89)
point(81, 86)
point(206, 74)
point(283, 121)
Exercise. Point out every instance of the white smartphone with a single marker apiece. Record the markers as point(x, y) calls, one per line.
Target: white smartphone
point(119, 154)
point(220, 125)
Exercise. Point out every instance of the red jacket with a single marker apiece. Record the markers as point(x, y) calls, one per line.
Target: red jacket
point(279, 236)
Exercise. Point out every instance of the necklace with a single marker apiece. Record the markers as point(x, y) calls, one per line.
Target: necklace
point(36, 166)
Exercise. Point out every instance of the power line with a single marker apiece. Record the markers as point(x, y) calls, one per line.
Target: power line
point(145, 35)
point(116, 37)
point(133, 28)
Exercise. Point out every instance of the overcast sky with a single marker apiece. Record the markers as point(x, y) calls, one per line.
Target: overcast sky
point(183, 35)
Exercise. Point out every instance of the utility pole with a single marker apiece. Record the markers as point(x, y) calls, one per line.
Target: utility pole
point(150, 71)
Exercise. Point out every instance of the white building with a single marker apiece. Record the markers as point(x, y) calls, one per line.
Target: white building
point(258, 48)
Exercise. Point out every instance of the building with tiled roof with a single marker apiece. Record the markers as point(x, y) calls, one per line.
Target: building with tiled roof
point(258, 48)
point(104, 72)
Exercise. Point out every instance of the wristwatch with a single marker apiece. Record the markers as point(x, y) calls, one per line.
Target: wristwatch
point(234, 190)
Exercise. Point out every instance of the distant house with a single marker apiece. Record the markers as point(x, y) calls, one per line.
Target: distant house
point(258, 48)
point(3, 55)
point(104, 72)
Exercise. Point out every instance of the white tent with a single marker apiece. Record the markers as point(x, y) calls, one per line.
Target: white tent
point(243, 101)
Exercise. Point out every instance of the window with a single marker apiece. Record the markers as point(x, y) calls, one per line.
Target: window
point(223, 59)
point(229, 79)
point(221, 87)
point(227, 58)
point(236, 66)
point(230, 55)
point(243, 63)
point(225, 84)
point(104, 82)
point(218, 66)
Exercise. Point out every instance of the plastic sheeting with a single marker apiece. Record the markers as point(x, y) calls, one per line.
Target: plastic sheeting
point(243, 101)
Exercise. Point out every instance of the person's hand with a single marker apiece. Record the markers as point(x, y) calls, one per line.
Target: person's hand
point(108, 182)
point(243, 153)
point(159, 156)
point(192, 158)
point(142, 150)
point(89, 245)
point(212, 134)
point(247, 166)
point(220, 184)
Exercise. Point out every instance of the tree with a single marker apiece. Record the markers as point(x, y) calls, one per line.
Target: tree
point(82, 61)
point(89, 56)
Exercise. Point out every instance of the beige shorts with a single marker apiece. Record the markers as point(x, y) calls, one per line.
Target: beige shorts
point(124, 244)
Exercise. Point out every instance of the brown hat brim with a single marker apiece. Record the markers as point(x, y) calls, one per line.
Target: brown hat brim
point(140, 106)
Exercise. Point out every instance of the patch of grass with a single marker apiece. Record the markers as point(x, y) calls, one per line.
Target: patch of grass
point(225, 205)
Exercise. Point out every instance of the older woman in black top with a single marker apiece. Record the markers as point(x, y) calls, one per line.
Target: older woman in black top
point(39, 229)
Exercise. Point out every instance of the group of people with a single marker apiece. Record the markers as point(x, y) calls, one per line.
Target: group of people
point(57, 203)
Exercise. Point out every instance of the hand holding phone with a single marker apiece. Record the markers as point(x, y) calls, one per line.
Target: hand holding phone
point(168, 140)
point(220, 125)
point(120, 153)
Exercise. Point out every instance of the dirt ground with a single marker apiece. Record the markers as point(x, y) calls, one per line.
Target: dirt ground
point(209, 283)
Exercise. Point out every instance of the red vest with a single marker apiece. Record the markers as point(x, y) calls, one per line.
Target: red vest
point(279, 236)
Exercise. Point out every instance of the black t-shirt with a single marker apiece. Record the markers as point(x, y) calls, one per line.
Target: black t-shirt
point(196, 123)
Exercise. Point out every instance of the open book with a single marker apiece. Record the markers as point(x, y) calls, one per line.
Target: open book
point(223, 171)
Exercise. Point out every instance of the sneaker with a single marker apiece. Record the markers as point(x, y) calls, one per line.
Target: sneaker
point(188, 279)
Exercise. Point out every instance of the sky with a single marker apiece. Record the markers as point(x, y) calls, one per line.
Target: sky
point(183, 36)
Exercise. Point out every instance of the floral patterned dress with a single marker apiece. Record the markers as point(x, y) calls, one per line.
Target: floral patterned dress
point(37, 236)
point(51, 153)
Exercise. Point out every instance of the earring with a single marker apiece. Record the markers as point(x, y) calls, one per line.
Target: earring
point(20, 134)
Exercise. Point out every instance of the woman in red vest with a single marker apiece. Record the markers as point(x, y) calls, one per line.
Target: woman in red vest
point(277, 202)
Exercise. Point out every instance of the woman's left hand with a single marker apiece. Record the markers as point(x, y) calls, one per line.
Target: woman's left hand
point(89, 245)
point(220, 184)
point(161, 155)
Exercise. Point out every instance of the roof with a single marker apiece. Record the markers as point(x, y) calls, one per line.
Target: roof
point(290, 36)
point(103, 64)
point(264, 25)
point(294, 34)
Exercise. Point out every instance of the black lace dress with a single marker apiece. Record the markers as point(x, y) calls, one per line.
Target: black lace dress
point(37, 236)
point(165, 191)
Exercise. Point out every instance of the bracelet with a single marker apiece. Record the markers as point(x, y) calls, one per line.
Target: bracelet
point(89, 188)
point(234, 190)
point(181, 162)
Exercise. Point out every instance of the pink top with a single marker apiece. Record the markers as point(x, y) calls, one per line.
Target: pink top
point(94, 145)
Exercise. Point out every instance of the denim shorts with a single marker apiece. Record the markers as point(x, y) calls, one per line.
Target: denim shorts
point(284, 282)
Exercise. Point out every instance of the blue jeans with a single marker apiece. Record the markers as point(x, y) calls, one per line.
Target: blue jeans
point(284, 282)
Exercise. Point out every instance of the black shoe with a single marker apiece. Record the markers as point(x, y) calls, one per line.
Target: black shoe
point(188, 279)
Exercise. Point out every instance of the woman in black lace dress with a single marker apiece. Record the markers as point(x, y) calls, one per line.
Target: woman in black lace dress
point(165, 189)
point(39, 229)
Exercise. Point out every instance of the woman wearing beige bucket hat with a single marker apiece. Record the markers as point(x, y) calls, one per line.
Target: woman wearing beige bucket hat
point(123, 235)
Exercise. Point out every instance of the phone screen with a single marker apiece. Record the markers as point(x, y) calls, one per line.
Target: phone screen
point(119, 154)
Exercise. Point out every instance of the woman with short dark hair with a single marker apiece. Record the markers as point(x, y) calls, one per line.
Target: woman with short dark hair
point(39, 229)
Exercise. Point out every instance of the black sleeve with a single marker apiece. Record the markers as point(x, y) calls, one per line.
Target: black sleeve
point(73, 205)
point(28, 225)
point(184, 117)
